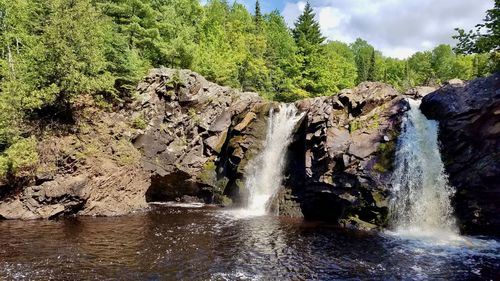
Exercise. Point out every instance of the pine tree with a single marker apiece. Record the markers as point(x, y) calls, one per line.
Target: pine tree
point(363, 53)
point(307, 29)
point(258, 16)
point(307, 35)
point(371, 67)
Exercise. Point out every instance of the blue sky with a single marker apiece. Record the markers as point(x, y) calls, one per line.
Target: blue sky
point(267, 6)
point(398, 28)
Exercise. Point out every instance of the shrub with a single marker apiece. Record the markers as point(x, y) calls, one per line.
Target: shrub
point(18, 157)
point(139, 122)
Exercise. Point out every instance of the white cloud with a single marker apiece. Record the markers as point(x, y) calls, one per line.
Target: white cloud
point(292, 11)
point(396, 27)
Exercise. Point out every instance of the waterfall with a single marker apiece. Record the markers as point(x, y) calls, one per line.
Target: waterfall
point(420, 204)
point(265, 172)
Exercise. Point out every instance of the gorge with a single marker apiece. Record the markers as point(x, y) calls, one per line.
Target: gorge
point(363, 159)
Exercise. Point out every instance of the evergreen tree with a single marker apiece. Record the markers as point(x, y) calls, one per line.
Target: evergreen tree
point(281, 59)
point(68, 56)
point(258, 16)
point(307, 31)
point(371, 67)
point(363, 53)
point(307, 35)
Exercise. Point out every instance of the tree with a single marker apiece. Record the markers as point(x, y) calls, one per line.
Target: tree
point(341, 67)
point(15, 26)
point(138, 21)
point(178, 24)
point(363, 53)
point(442, 62)
point(485, 39)
point(307, 30)
point(258, 16)
point(307, 35)
point(371, 68)
point(395, 73)
point(68, 57)
point(281, 59)
point(420, 71)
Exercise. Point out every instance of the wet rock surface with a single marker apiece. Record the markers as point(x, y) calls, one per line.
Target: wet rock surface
point(469, 116)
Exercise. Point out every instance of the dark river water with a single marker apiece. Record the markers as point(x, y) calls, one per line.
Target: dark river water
point(210, 244)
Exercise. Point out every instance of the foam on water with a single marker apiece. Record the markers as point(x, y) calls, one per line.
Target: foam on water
point(179, 204)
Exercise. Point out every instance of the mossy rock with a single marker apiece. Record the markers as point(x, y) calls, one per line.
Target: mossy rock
point(379, 199)
point(385, 157)
point(208, 176)
point(356, 223)
point(223, 200)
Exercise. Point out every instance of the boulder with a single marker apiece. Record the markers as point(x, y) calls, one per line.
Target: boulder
point(420, 92)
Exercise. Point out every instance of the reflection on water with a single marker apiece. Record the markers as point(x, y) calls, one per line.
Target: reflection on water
point(208, 244)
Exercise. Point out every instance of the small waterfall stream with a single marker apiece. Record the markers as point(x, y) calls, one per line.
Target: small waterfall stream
point(420, 205)
point(265, 172)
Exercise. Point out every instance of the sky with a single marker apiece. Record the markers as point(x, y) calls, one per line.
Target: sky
point(398, 28)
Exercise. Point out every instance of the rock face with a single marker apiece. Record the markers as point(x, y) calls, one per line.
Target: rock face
point(340, 161)
point(469, 116)
point(186, 138)
point(92, 171)
point(199, 135)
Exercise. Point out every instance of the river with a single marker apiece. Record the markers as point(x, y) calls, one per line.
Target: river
point(172, 243)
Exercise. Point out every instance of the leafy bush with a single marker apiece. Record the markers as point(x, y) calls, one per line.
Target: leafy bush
point(18, 157)
point(4, 166)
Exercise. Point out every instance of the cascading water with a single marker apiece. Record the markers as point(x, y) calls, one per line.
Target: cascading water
point(265, 172)
point(420, 205)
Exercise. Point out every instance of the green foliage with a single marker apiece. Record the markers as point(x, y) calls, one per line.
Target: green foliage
point(420, 70)
point(281, 59)
point(371, 67)
point(340, 67)
point(385, 157)
point(68, 57)
point(363, 53)
point(139, 122)
point(442, 62)
point(307, 35)
point(485, 39)
point(307, 32)
point(19, 157)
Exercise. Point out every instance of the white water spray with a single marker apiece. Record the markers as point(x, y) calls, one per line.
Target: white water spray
point(265, 172)
point(420, 205)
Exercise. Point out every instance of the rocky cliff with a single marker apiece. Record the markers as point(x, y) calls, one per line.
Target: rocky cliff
point(339, 165)
point(185, 138)
point(469, 116)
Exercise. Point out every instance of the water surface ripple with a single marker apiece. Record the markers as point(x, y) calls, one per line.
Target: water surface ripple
point(209, 244)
